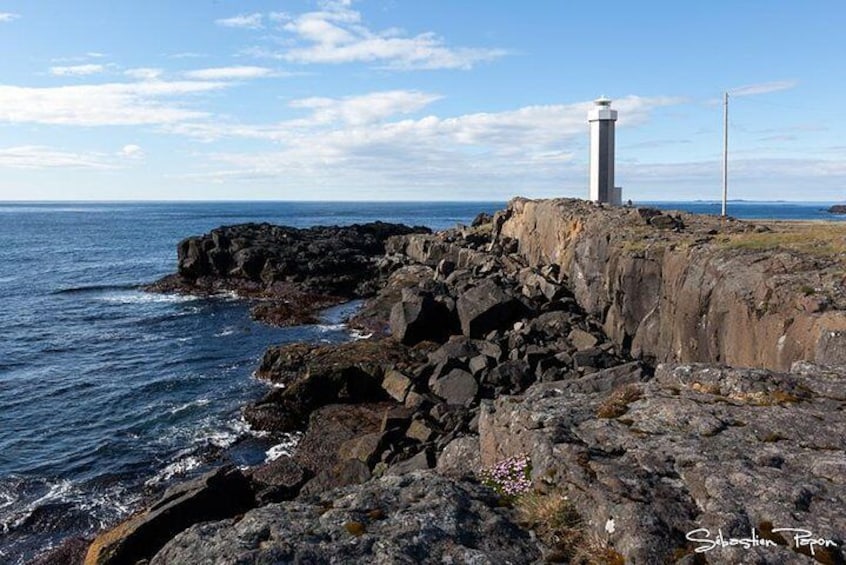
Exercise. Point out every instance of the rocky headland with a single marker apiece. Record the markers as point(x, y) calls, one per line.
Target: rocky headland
point(652, 374)
point(837, 209)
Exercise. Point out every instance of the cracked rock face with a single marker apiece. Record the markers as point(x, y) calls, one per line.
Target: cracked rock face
point(414, 518)
point(698, 446)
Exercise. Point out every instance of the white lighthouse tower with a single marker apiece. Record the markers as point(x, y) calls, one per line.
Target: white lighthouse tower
point(601, 119)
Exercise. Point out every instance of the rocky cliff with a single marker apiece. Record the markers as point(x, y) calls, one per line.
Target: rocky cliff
point(692, 288)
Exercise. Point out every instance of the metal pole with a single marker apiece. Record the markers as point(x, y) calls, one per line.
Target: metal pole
point(725, 149)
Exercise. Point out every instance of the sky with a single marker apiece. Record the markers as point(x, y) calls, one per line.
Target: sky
point(417, 100)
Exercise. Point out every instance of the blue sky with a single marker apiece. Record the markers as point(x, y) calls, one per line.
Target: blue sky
point(416, 100)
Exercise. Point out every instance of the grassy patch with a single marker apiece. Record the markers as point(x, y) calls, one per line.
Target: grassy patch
point(822, 239)
point(560, 528)
point(618, 401)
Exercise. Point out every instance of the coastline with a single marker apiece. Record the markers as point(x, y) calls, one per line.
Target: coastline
point(600, 366)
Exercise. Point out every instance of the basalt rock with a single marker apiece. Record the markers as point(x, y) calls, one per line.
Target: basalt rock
point(294, 272)
point(486, 307)
point(318, 375)
point(704, 290)
point(697, 446)
point(411, 518)
point(419, 317)
point(277, 480)
point(219, 494)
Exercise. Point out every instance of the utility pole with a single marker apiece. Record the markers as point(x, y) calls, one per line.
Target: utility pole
point(725, 149)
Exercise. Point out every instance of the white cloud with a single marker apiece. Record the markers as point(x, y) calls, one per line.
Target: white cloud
point(230, 73)
point(131, 151)
point(335, 34)
point(8, 17)
point(763, 88)
point(366, 109)
point(133, 103)
point(144, 73)
point(77, 70)
point(367, 141)
point(243, 21)
point(41, 157)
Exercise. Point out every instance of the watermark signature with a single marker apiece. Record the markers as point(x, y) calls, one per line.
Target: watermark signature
point(801, 537)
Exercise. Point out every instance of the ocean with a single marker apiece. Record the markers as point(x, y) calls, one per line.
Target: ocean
point(108, 394)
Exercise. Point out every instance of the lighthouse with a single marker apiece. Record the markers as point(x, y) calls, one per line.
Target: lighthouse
point(601, 119)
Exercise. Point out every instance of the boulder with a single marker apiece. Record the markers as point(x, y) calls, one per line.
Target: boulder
point(419, 462)
point(420, 431)
point(396, 384)
point(341, 474)
point(331, 427)
point(581, 339)
point(280, 479)
point(486, 307)
point(456, 387)
point(419, 317)
point(460, 458)
point(321, 375)
point(219, 494)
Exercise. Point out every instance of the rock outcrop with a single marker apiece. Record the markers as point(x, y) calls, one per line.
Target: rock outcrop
point(694, 288)
point(837, 209)
point(294, 272)
point(697, 446)
point(415, 518)
point(221, 493)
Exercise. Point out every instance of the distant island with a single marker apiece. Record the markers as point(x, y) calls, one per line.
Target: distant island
point(837, 209)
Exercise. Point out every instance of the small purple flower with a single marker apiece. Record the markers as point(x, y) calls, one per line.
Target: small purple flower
point(509, 478)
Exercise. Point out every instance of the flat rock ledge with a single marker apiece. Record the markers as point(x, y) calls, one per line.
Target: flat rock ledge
point(697, 446)
point(416, 518)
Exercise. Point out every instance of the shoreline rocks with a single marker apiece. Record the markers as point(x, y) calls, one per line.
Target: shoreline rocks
point(531, 333)
point(292, 273)
point(837, 209)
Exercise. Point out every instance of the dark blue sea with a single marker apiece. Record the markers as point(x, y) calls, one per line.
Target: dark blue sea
point(108, 393)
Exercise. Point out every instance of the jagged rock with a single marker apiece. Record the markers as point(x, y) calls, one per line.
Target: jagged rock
point(374, 315)
point(299, 270)
point(444, 269)
point(456, 387)
point(419, 317)
point(366, 448)
point(485, 307)
point(837, 209)
point(412, 518)
point(277, 480)
point(396, 420)
point(219, 494)
point(420, 462)
point(420, 431)
point(510, 376)
point(343, 473)
point(479, 364)
point(72, 551)
point(698, 446)
point(396, 384)
point(482, 219)
point(329, 429)
point(346, 373)
point(593, 357)
point(458, 348)
point(460, 458)
point(581, 339)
